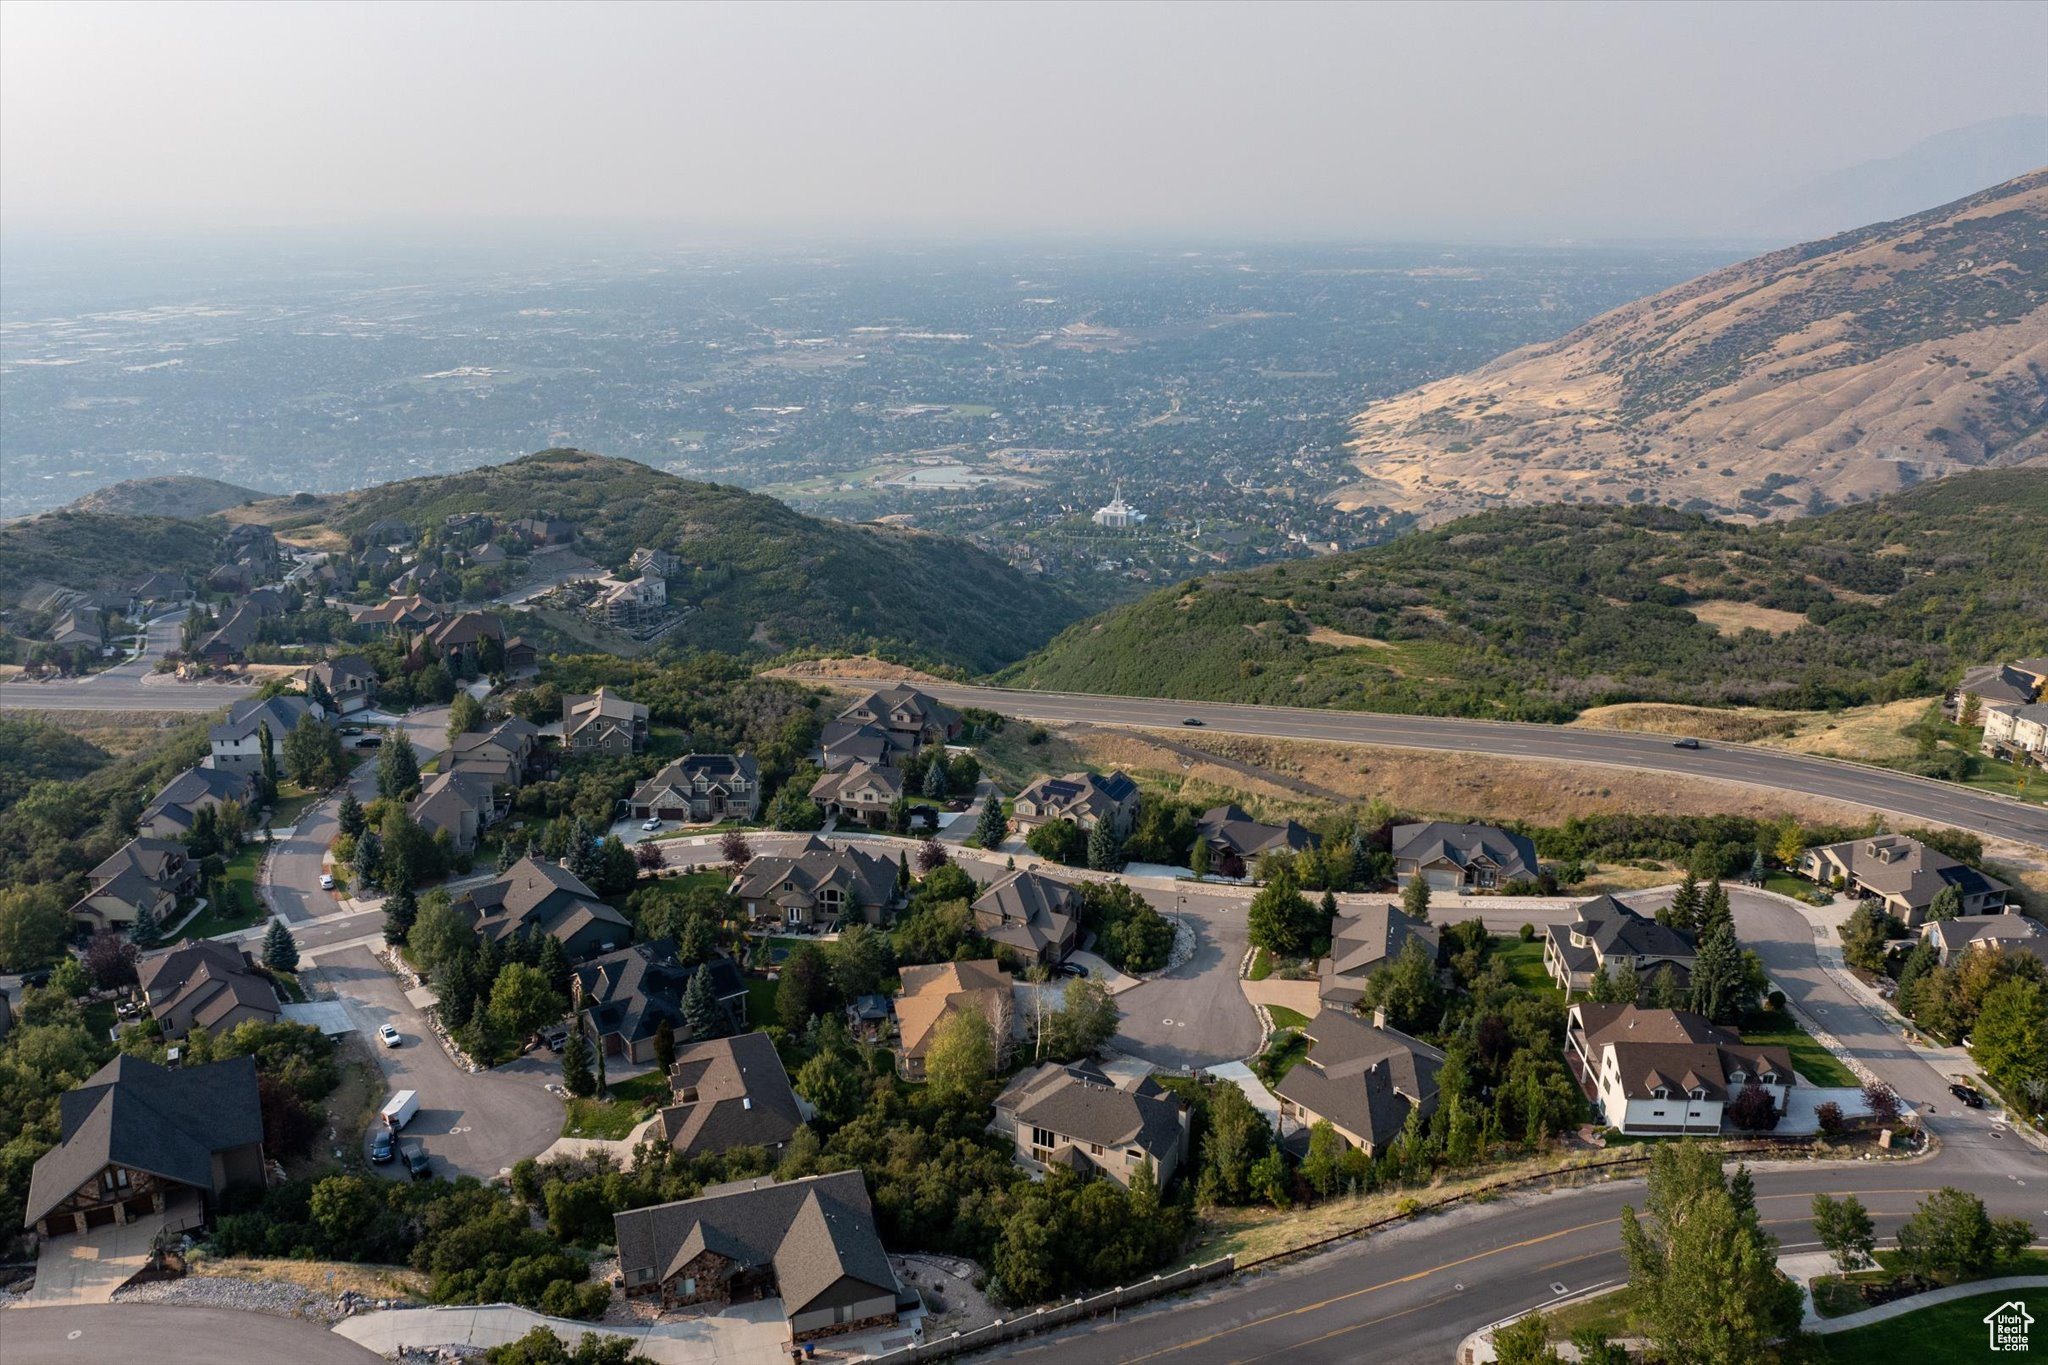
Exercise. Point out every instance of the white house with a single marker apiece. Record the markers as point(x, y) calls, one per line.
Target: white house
point(1667, 1071)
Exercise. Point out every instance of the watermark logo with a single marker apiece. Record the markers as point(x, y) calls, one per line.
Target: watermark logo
point(2008, 1324)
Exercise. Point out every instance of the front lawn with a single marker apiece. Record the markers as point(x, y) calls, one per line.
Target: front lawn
point(236, 907)
point(1284, 1017)
point(1785, 884)
point(632, 1101)
point(1836, 1296)
point(1525, 965)
point(1815, 1064)
point(1262, 965)
point(1942, 1332)
point(1280, 1056)
point(292, 800)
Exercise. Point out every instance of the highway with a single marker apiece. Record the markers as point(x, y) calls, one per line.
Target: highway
point(1914, 798)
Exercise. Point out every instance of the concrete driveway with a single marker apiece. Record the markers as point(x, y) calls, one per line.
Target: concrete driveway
point(87, 1267)
point(471, 1124)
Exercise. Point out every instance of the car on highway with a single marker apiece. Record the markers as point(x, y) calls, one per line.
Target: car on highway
point(1967, 1095)
point(388, 1035)
point(417, 1161)
point(381, 1145)
point(1687, 743)
point(651, 822)
point(326, 881)
point(1194, 720)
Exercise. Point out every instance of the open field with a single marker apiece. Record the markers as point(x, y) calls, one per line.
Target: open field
point(1870, 733)
point(1730, 618)
point(322, 1277)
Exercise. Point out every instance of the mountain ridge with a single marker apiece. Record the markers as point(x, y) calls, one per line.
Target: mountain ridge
point(1822, 374)
point(166, 495)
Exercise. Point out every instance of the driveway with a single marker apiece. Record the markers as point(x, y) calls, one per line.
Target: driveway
point(471, 1124)
point(87, 1267)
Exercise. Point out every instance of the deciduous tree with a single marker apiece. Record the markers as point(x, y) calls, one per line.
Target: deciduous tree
point(1844, 1228)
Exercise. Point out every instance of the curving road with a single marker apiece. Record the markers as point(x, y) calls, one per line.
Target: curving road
point(172, 1334)
point(1916, 798)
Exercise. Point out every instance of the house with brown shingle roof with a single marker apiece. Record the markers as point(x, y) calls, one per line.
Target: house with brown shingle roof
point(1031, 914)
point(859, 792)
point(933, 994)
point(602, 723)
point(536, 897)
point(1902, 874)
point(205, 985)
point(172, 812)
point(729, 1092)
point(1667, 1071)
point(818, 885)
point(1076, 1116)
point(911, 719)
point(809, 1243)
point(1363, 1078)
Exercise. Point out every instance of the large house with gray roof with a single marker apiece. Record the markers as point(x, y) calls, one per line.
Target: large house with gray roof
point(858, 793)
point(350, 679)
point(625, 996)
point(1030, 914)
point(1901, 874)
point(1608, 936)
point(810, 1243)
point(1363, 1078)
point(238, 740)
point(1087, 799)
point(205, 985)
point(157, 873)
point(819, 885)
point(1364, 939)
point(140, 1142)
point(1076, 1116)
point(729, 1092)
point(700, 787)
point(1454, 857)
point(537, 897)
point(910, 718)
point(172, 812)
point(1236, 840)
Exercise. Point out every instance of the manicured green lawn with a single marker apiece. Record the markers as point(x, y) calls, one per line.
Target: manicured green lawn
point(761, 1000)
point(1785, 884)
point(1525, 964)
point(631, 1101)
point(1946, 1331)
point(1281, 1055)
point(1812, 1061)
point(292, 800)
point(1284, 1017)
point(1262, 965)
point(237, 906)
point(1835, 1296)
point(99, 1018)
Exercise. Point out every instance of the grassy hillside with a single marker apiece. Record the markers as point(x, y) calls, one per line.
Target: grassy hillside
point(167, 495)
point(763, 577)
point(100, 550)
point(1537, 612)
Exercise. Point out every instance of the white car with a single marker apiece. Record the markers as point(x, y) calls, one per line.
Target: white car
point(326, 881)
point(389, 1036)
point(652, 822)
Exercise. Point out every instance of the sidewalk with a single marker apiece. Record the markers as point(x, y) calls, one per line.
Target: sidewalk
point(1901, 1307)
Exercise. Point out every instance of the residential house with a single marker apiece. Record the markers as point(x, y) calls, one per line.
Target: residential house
point(139, 1142)
point(729, 1092)
point(1364, 1079)
point(1087, 799)
point(655, 563)
point(389, 531)
point(172, 812)
point(843, 743)
point(859, 794)
point(1364, 939)
point(535, 897)
point(208, 985)
point(520, 656)
point(1076, 1116)
point(1461, 857)
point(229, 642)
point(603, 724)
point(2019, 732)
point(349, 679)
point(81, 626)
point(152, 872)
point(1902, 874)
point(626, 995)
point(700, 787)
point(166, 589)
point(1236, 840)
point(818, 886)
point(1033, 915)
point(1667, 1071)
point(1994, 687)
point(810, 1244)
point(1985, 933)
point(489, 555)
point(542, 530)
point(933, 994)
point(1608, 935)
point(631, 604)
point(465, 527)
point(506, 754)
point(406, 616)
point(459, 640)
point(457, 803)
point(909, 717)
point(238, 740)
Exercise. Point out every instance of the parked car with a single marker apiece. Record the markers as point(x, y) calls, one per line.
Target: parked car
point(1967, 1095)
point(651, 822)
point(556, 1036)
point(388, 1035)
point(417, 1162)
point(351, 729)
point(1072, 969)
point(326, 881)
point(369, 741)
point(1686, 743)
point(380, 1145)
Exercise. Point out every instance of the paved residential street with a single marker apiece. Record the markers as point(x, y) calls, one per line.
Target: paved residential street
point(128, 686)
point(471, 1124)
point(171, 1334)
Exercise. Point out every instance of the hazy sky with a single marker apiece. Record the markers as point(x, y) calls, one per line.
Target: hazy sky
point(1274, 119)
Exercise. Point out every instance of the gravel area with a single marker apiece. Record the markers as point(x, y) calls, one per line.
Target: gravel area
point(251, 1296)
point(947, 1286)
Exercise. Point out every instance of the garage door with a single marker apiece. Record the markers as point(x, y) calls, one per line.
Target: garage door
point(1441, 879)
point(102, 1217)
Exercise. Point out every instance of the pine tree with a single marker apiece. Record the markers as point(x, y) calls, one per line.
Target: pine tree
point(350, 815)
point(1198, 857)
point(1714, 907)
point(903, 871)
point(1717, 974)
point(398, 767)
point(1103, 848)
point(401, 908)
point(700, 1007)
point(554, 962)
point(280, 950)
point(267, 782)
point(990, 829)
point(455, 989)
point(604, 1089)
point(935, 779)
point(1415, 898)
point(144, 932)
point(1683, 914)
point(317, 693)
point(665, 1045)
point(576, 1077)
point(584, 863)
point(1357, 853)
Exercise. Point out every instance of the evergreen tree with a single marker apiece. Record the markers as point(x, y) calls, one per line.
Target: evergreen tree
point(144, 932)
point(1103, 849)
point(991, 828)
point(700, 1007)
point(553, 961)
point(1717, 975)
point(455, 989)
point(604, 1088)
point(267, 781)
point(368, 862)
point(280, 949)
point(401, 908)
point(902, 871)
point(1415, 898)
point(584, 861)
point(317, 693)
point(1683, 914)
point(1358, 854)
point(1198, 857)
point(665, 1045)
point(398, 767)
point(1665, 993)
point(1714, 907)
point(350, 815)
point(1947, 903)
point(934, 780)
point(576, 1077)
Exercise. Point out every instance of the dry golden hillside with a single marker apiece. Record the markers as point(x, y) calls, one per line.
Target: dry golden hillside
point(1822, 374)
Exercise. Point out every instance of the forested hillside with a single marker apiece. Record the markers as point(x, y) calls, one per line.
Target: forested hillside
point(102, 550)
point(1536, 612)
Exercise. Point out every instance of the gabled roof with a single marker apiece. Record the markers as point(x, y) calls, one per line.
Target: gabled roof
point(246, 718)
point(1895, 865)
point(930, 993)
point(869, 878)
point(1464, 845)
point(1229, 826)
point(447, 797)
point(1999, 682)
point(343, 669)
point(1027, 910)
point(1361, 1077)
point(137, 1114)
point(1952, 935)
point(1366, 937)
point(1080, 794)
point(1082, 1104)
point(729, 1092)
point(1673, 1049)
point(541, 897)
point(1616, 929)
point(902, 707)
point(843, 784)
point(140, 871)
point(813, 1232)
point(678, 780)
point(630, 991)
point(846, 741)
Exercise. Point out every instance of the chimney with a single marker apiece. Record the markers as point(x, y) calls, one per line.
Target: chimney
point(1379, 1017)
